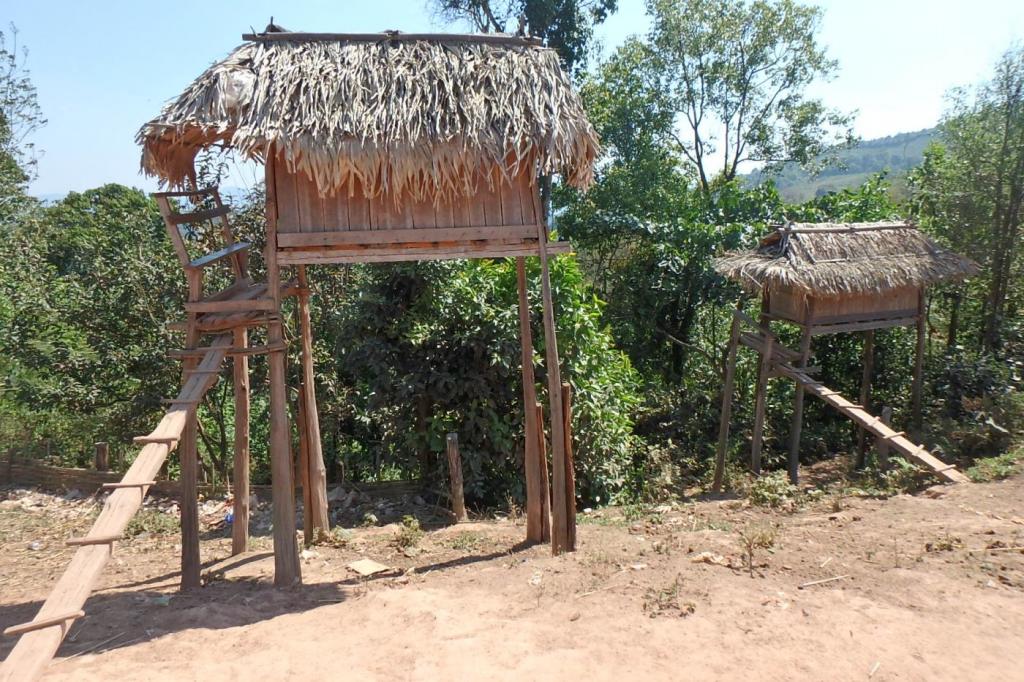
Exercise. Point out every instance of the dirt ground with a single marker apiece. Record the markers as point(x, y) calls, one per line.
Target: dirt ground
point(918, 587)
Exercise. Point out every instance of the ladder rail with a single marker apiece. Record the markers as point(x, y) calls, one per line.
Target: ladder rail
point(781, 357)
point(35, 648)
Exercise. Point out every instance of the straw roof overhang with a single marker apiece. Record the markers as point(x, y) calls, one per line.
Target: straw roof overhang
point(429, 115)
point(837, 259)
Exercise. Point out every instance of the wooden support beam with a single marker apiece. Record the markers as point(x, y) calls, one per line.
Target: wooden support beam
point(101, 457)
point(918, 386)
point(248, 350)
point(394, 37)
point(868, 363)
point(303, 466)
point(797, 423)
point(455, 478)
point(317, 509)
point(199, 216)
point(535, 491)
point(188, 451)
point(726, 411)
point(882, 444)
point(240, 473)
point(559, 521)
point(760, 398)
point(287, 570)
point(542, 455)
point(570, 473)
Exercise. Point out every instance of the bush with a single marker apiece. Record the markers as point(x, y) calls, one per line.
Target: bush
point(433, 348)
point(995, 468)
point(773, 490)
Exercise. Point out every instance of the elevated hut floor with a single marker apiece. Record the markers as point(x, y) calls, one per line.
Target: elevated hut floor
point(661, 596)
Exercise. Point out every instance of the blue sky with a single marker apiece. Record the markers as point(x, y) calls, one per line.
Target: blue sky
point(103, 68)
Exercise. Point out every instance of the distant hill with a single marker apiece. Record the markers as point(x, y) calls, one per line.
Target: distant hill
point(896, 154)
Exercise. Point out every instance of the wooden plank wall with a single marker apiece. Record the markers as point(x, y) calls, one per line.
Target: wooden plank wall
point(302, 210)
point(787, 303)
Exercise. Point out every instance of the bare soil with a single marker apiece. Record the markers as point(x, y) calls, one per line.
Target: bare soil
point(918, 587)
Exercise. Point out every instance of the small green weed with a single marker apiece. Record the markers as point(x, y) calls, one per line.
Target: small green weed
point(666, 601)
point(152, 521)
point(773, 490)
point(753, 538)
point(337, 537)
point(465, 541)
point(409, 534)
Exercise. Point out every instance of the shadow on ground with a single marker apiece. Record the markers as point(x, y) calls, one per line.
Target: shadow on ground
point(129, 613)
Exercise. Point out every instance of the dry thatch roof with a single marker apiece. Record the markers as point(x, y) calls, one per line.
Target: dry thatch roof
point(429, 117)
point(834, 259)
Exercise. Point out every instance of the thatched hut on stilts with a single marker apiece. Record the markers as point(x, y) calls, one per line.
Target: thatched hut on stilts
point(384, 147)
point(829, 278)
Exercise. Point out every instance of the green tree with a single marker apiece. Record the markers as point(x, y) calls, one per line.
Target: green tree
point(971, 191)
point(565, 25)
point(735, 75)
point(90, 285)
point(433, 348)
point(20, 117)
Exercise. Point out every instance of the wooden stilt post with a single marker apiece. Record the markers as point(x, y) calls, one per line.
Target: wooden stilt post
point(531, 456)
point(796, 426)
point(919, 365)
point(760, 397)
point(287, 570)
point(307, 515)
point(102, 456)
point(882, 444)
point(542, 457)
point(570, 473)
point(868, 362)
point(240, 478)
point(455, 478)
point(559, 520)
point(726, 413)
point(188, 455)
point(317, 499)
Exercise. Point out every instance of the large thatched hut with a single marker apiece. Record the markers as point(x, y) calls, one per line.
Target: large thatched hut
point(389, 147)
point(839, 277)
point(367, 138)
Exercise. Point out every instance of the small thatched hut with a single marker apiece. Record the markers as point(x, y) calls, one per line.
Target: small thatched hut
point(388, 147)
point(844, 276)
point(835, 277)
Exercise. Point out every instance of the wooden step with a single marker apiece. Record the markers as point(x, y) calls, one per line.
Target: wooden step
point(43, 623)
point(145, 440)
point(93, 540)
point(199, 216)
point(123, 484)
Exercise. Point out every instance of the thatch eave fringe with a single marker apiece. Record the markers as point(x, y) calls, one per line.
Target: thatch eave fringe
point(832, 260)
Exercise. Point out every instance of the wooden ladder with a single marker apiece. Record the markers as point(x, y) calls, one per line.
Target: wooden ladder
point(781, 357)
point(41, 637)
